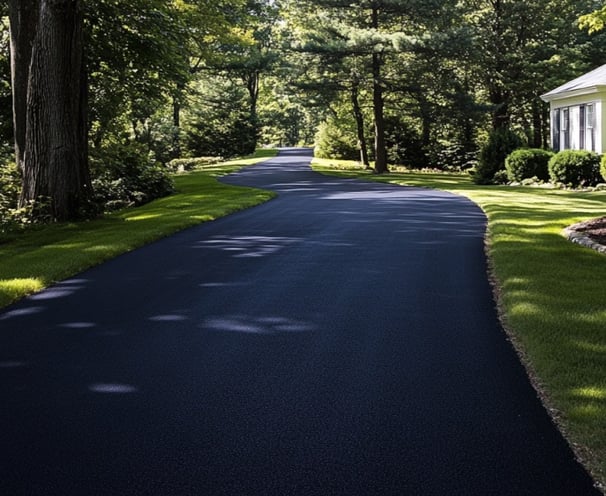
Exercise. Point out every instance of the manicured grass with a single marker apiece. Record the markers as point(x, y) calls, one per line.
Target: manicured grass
point(32, 260)
point(552, 293)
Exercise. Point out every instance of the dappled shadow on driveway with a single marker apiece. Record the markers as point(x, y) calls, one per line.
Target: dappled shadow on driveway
point(340, 339)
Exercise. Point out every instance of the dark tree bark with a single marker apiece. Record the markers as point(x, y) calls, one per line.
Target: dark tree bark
point(23, 16)
point(252, 80)
point(378, 103)
point(359, 117)
point(537, 124)
point(378, 106)
point(55, 158)
point(500, 115)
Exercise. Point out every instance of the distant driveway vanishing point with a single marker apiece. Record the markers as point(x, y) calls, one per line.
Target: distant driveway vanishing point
point(339, 340)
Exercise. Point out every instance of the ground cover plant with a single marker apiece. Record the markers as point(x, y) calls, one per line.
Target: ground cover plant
point(550, 292)
point(34, 259)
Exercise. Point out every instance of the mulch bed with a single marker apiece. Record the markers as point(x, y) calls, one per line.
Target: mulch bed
point(595, 229)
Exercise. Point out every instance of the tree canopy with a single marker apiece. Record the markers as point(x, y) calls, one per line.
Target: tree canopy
point(419, 83)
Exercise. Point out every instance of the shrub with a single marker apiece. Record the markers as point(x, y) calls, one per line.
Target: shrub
point(404, 144)
point(453, 156)
point(527, 163)
point(10, 184)
point(336, 141)
point(501, 143)
point(187, 164)
point(9, 196)
point(500, 177)
point(603, 167)
point(226, 135)
point(575, 168)
point(123, 175)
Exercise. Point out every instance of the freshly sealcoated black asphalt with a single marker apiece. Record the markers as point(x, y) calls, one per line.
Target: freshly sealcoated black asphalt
point(339, 340)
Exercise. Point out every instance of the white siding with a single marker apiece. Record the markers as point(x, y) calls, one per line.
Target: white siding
point(572, 136)
point(600, 126)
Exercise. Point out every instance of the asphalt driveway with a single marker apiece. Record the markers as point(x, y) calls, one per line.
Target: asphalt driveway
point(341, 339)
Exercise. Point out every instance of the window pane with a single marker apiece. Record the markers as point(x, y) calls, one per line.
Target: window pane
point(590, 116)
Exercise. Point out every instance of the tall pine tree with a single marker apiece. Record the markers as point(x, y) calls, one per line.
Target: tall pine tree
point(373, 30)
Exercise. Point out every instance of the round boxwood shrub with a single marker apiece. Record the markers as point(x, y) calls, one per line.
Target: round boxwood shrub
point(527, 163)
point(575, 168)
point(501, 143)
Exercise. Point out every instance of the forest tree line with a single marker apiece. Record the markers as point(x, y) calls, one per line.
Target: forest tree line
point(98, 97)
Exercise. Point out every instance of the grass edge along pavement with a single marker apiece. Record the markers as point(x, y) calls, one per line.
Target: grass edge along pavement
point(550, 294)
point(35, 259)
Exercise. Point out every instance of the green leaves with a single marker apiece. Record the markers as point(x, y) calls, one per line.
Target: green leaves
point(594, 21)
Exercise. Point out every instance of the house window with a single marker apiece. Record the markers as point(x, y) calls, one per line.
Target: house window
point(582, 126)
point(565, 128)
point(556, 130)
point(590, 124)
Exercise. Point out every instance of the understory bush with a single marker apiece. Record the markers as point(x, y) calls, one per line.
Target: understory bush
point(526, 163)
point(187, 164)
point(501, 143)
point(335, 140)
point(603, 167)
point(575, 168)
point(453, 156)
point(9, 196)
point(12, 216)
point(226, 136)
point(404, 144)
point(123, 176)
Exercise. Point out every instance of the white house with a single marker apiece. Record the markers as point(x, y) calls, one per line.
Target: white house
point(577, 115)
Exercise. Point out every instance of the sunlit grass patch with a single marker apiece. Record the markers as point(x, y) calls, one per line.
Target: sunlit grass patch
point(37, 258)
point(551, 292)
point(17, 287)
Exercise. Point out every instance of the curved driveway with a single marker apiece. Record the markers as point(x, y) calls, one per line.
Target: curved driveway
point(339, 340)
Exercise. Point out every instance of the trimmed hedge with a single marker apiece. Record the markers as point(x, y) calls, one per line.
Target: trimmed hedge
point(575, 168)
point(527, 163)
point(187, 164)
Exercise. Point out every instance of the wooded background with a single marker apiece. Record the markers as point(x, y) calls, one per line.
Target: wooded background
point(107, 93)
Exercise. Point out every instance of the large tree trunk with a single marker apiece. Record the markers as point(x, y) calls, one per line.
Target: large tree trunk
point(359, 117)
point(537, 124)
point(378, 104)
point(500, 115)
point(23, 16)
point(55, 163)
point(252, 80)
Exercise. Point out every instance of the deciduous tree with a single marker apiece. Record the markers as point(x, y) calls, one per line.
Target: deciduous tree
point(49, 95)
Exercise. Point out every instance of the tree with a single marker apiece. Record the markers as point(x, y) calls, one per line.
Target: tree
point(594, 21)
point(376, 31)
point(6, 109)
point(23, 15)
point(49, 101)
point(521, 50)
point(247, 52)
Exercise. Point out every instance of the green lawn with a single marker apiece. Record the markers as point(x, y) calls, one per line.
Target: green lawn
point(552, 293)
point(35, 259)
